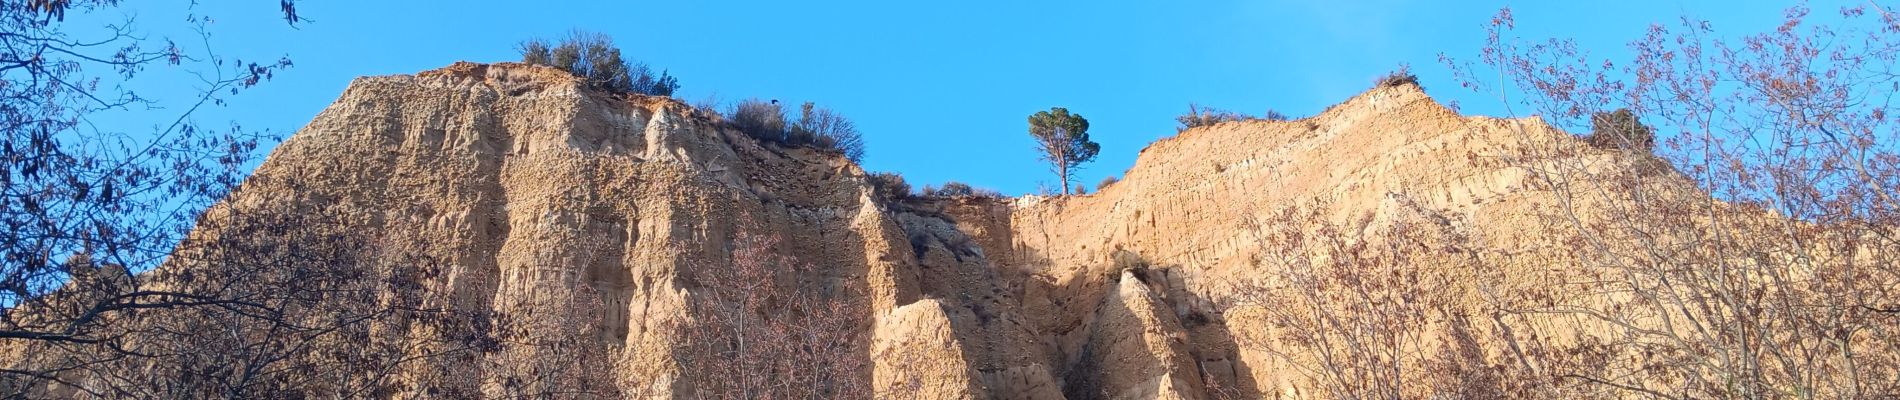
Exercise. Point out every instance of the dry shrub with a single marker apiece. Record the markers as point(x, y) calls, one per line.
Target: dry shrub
point(759, 119)
point(827, 129)
point(888, 185)
point(1274, 115)
point(1198, 116)
point(1400, 77)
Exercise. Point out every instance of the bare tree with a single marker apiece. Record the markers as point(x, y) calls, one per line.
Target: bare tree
point(1752, 255)
point(552, 334)
point(279, 302)
point(104, 290)
point(122, 198)
point(765, 326)
point(1354, 307)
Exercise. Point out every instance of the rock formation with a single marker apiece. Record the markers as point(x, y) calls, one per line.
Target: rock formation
point(593, 212)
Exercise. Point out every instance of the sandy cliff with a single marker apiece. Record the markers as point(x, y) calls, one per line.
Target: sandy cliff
point(591, 212)
point(536, 188)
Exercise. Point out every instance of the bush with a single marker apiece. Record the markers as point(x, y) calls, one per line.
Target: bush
point(536, 52)
point(1274, 115)
point(888, 186)
point(595, 59)
point(1198, 116)
point(1620, 130)
point(958, 189)
point(954, 188)
point(815, 127)
point(759, 119)
point(644, 82)
point(827, 129)
point(1403, 76)
point(1106, 182)
point(708, 105)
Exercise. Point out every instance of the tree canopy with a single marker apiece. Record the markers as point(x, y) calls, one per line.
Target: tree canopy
point(1063, 139)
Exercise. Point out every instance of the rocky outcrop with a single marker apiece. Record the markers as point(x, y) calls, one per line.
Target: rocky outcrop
point(537, 191)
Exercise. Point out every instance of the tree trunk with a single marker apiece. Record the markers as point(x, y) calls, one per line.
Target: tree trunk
point(1064, 175)
point(1062, 165)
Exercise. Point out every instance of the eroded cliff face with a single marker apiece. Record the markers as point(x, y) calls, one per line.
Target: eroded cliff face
point(590, 212)
point(1130, 288)
point(1181, 220)
point(582, 210)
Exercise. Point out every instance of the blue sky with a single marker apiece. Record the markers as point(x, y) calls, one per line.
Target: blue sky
point(940, 89)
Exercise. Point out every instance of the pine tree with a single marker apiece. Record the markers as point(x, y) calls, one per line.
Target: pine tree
point(1064, 141)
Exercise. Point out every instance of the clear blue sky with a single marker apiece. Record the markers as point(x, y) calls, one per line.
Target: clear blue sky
point(940, 89)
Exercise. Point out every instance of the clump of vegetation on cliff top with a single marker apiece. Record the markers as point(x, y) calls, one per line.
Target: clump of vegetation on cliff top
point(958, 189)
point(1620, 129)
point(1199, 116)
point(815, 127)
point(1401, 77)
point(595, 58)
point(889, 185)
